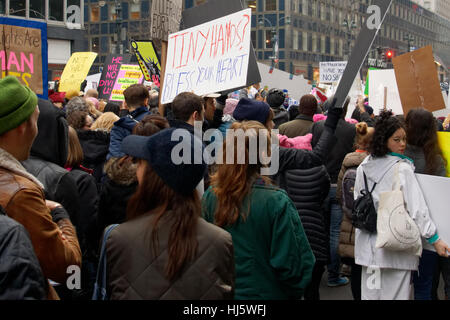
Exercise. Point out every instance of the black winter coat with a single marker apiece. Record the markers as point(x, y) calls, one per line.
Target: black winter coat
point(21, 276)
point(308, 189)
point(345, 134)
point(95, 145)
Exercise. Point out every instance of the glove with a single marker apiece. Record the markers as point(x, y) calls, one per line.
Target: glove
point(334, 114)
point(59, 213)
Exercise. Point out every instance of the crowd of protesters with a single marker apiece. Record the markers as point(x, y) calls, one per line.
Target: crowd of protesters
point(74, 166)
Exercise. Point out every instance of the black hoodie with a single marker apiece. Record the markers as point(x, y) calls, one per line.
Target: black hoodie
point(48, 156)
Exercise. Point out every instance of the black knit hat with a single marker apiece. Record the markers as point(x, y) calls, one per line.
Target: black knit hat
point(172, 169)
point(275, 98)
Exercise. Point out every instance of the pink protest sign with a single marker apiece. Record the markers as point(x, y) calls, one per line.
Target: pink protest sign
point(128, 75)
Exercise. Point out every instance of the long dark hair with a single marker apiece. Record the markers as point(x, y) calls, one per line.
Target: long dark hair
point(421, 131)
point(153, 196)
point(385, 127)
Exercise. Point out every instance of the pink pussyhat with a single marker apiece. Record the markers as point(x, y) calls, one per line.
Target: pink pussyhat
point(230, 105)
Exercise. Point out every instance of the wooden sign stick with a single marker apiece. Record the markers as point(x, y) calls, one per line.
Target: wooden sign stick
point(385, 99)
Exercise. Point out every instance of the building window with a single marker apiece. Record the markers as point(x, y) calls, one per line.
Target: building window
point(95, 14)
point(17, 8)
point(271, 5)
point(55, 10)
point(95, 45)
point(135, 11)
point(269, 39)
point(112, 12)
point(37, 9)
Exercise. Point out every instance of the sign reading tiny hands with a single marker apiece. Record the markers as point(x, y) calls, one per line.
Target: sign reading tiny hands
point(377, 12)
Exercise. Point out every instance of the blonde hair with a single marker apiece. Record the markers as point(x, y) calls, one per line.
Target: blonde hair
point(364, 135)
point(105, 122)
point(101, 105)
point(75, 152)
point(92, 109)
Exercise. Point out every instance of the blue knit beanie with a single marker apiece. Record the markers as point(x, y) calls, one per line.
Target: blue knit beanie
point(248, 109)
point(157, 150)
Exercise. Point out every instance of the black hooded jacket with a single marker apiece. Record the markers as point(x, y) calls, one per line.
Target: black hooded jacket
point(48, 157)
point(21, 276)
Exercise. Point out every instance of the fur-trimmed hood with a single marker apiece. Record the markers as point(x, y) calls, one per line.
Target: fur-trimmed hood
point(121, 171)
point(8, 162)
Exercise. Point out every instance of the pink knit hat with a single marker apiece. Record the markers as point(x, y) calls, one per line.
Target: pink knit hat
point(230, 105)
point(94, 101)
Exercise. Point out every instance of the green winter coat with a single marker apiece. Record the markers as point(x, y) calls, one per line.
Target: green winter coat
point(272, 254)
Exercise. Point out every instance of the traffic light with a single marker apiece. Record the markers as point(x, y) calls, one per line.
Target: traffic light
point(389, 55)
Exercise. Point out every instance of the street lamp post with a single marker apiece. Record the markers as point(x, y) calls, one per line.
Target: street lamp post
point(349, 26)
point(274, 32)
point(119, 45)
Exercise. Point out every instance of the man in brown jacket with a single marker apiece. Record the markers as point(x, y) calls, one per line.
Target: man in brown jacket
point(21, 194)
point(302, 124)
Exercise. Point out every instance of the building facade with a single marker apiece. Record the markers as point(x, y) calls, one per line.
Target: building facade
point(308, 32)
point(65, 30)
point(440, 7)
point(111, 25)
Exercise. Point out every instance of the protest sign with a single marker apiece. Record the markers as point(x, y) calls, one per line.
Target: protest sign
point(378, 81)
point(148, 60)
point(166, 17)
point(128, 75)
point(210, 57)
point(297, 87)
point(417, 80)
point(366, 37)
point(76, 70)
point(444, 144)
point(24, 53)
point(109, 74)
point(214, 9)
point(435, 191)
point(332, 71)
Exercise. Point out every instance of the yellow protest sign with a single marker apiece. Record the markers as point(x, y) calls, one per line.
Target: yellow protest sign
point(76, 70)
point(444, 144)
point(148, 60)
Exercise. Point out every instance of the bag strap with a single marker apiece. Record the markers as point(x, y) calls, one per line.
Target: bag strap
point(101, 271)
point(396, 180)
point(366, 185)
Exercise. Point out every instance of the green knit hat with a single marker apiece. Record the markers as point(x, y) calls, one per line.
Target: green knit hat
point(17, 103)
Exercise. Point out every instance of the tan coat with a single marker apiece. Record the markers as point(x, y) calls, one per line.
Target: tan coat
point(23, 199)
point(347, 236)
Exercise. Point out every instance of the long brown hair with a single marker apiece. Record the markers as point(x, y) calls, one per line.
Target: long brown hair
point(155, 197)
point(232, 182)
point(421, 131)
point(75, 152)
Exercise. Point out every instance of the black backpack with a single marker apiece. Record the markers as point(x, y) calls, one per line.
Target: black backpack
point(364, 215)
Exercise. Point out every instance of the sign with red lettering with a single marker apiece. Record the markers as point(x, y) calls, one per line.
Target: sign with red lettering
point(109, 74)
point(23, 53)
point(166, 17)
point(210, 57)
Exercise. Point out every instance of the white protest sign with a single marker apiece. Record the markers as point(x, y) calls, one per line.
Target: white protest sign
point(297, 86)
point(211, 57)
point(332, 71)
point(166, 17)
point(435, 191)
point(378, 81)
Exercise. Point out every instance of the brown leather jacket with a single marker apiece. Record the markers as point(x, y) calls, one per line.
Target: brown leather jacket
point(135, 273)
point(24, 201)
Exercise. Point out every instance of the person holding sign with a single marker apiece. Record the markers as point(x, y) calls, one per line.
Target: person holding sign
point(386, 274)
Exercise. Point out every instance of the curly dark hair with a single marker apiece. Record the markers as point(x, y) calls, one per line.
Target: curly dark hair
point(77, 119)
point(385, 127)
point(421, 131)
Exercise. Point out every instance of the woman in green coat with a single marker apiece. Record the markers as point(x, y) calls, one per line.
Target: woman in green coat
point(272, 255)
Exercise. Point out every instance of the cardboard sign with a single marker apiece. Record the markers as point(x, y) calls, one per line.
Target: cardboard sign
point(444, 144)
point(297, 86)
point(210, 57)
point(214, 9)
point(417, 80)
point(435, 191)
point(76, 70)
point(378, 81)
point(332, 71)
point(166, 17)
point(148, 60)
point(24, 53)
point(366, 37)
point(128, 75)
point(109, 75)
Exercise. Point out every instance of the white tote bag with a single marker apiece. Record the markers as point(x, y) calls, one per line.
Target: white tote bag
point(396, 230)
